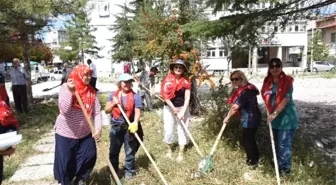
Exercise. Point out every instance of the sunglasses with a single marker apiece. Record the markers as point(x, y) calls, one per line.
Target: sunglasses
point(275, 66)
point(235, 79)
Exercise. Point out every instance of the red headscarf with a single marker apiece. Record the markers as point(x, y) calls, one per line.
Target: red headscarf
point(86, 92)
point(284, 84)
point(3, 93)
point(6, 116)
point(169, 86)
point(235, 95)
point(129, 106)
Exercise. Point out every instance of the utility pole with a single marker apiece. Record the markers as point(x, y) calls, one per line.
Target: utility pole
point(312, 53)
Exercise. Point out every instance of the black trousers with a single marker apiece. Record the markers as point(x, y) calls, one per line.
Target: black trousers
point(250, 146)
point(93, 82)
point(20, 98)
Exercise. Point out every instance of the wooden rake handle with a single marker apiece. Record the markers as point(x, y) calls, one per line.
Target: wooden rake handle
point(153, 94)
point(143, 146)
point(185, 128)
point(274, 154)
point(191, 137)
point(92, 128)
point(217, 139)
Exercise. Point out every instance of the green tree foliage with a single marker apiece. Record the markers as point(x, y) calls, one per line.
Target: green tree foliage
point(319, 48)
point(25, 18)
point(79, 38)
point(124, 39)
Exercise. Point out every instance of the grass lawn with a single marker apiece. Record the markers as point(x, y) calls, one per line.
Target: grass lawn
point(229, 159)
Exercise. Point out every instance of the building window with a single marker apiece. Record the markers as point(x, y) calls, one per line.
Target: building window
point(333, 37)
point(271, 5)
point(263, 29)
point(289, 28)
point(296, 28)
point(223, 52)
point(263, 5)
point(275, 29)
point(211, 52)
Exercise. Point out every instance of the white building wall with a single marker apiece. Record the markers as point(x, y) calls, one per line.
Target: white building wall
point(102, 15)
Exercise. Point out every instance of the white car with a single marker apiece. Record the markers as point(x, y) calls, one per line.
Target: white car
point(322, 66)
point(56, 75)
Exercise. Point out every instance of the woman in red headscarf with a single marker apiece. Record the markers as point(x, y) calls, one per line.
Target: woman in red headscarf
point(75, 150)
point(175, 90)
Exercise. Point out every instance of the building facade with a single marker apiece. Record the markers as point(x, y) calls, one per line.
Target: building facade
point(54, 38)
point(289, 43)
point(327, 25)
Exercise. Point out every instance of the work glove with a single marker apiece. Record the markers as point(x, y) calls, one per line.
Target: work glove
point(133, 127)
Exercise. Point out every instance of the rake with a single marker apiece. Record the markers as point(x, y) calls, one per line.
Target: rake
point(206, 165)
point(88, 119)
point(48, 89)
point(184, 127)
point(144, 147)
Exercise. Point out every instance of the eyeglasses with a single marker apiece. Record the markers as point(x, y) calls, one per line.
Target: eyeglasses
point(235, 79)
point(275, 66)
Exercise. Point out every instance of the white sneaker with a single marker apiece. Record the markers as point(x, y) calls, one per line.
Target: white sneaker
point(169, 155)
point(179, 158)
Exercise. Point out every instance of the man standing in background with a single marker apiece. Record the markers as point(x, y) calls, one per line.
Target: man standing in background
point(19, 86)
point(144, 86)
point(66, 71)
point(92, 66)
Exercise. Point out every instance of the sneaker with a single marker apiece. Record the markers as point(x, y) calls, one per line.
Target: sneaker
point(169, 155)
point(179, 158)
point(129, 176)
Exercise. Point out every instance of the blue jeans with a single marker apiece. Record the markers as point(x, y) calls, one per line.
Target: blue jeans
point(119, 136)
point(283, 140)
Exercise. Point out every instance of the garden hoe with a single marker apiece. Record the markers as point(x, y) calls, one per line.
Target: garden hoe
point(206, 165)
point(144, 147)
point(88, 119)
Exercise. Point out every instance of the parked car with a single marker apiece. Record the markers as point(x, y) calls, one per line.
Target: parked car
point(321, 66)
point(56, 75)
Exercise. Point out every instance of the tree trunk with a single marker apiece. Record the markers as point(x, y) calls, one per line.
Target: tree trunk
point(195, 104)
point(26, 60)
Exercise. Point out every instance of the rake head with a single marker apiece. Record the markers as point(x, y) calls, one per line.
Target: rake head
point(206, 165)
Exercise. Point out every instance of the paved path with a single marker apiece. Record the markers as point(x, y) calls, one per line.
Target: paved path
point(38, 169)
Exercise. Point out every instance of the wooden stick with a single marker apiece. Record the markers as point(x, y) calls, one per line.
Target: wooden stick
point(217, 139)
point(144, 147)
point(88, 119)
point(274, 154)
point(185, 128)
point(191, 138)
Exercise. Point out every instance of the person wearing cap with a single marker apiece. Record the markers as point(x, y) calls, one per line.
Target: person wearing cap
point(75, 146)
point(277, 93)
point(175, 90)
point(122, 133)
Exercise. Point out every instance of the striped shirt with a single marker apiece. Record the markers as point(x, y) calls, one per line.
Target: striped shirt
point(19, 76)
point(71, 122)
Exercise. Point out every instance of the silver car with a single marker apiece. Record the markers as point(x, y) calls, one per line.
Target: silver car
point(322, 66)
